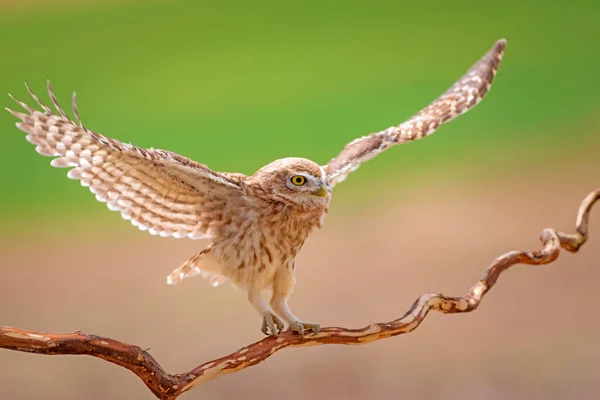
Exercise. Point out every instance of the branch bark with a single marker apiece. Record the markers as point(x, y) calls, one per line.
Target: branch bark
point(168, 387)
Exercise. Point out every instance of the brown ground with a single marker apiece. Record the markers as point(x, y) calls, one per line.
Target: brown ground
point(536, 335)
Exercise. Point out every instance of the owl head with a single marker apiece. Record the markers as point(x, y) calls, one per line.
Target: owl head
point(294, 181)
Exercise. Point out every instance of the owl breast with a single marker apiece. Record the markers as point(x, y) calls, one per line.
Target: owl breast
point(253, 243)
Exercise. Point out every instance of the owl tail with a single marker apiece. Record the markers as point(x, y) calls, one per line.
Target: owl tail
point(191, 268)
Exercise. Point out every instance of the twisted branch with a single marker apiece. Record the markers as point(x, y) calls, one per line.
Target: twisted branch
point(168, 387)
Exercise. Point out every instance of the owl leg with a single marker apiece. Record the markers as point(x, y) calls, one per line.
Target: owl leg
point(282, 288)
point(271, 324)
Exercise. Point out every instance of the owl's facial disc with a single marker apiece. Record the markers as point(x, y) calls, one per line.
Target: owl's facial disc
point(303, 182)
point(296, 181)
point(304, 188)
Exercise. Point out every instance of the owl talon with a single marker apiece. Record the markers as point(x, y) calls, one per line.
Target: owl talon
point(301, 327)
point(271, 325)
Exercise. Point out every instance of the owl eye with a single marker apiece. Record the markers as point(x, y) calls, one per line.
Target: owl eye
point(298, 180)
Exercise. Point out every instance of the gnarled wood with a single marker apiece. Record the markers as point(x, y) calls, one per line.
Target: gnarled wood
point(167, 387)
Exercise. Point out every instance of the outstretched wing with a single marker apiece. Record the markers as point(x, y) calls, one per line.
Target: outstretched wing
point(157, 190)
point(465, 94)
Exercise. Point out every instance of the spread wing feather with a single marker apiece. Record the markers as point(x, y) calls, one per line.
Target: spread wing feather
point(157, 190)
point(465, 94)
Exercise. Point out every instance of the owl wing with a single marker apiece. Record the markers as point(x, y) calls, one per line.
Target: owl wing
point(157, 190)
point(465, 94)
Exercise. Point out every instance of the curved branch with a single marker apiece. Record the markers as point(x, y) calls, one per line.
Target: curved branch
point(167, 387)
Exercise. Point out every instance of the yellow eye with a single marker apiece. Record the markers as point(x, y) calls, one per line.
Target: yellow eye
point(298, 180)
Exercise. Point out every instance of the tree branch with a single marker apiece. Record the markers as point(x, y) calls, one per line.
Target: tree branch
point(168, 387)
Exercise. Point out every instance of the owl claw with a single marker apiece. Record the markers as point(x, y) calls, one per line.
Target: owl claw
point(301, 327)
point(271, 325)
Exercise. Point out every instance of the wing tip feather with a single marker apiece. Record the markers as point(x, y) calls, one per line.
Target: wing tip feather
point(15, 113)
point(22, 104)
point(356, 152)
point(55, 101)
point(46, 109)
point(500, 43)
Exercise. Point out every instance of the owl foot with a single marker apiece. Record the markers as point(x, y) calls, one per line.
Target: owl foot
point(301, 327)
point(271, 325)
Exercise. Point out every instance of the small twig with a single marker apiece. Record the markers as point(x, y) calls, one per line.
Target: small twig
point(167, 387)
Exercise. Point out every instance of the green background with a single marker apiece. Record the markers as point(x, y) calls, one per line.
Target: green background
point(236, 86)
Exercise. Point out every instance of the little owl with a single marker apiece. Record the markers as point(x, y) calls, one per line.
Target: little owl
point(257, 224)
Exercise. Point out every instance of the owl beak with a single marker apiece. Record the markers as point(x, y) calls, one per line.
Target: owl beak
point(321, 192)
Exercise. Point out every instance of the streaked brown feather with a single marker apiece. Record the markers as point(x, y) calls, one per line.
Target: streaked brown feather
point(157, 190)
point(465, 94)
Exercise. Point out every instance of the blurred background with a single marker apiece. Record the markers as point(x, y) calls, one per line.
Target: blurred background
point(236, 86)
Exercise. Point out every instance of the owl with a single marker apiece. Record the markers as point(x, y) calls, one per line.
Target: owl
point(256, 224)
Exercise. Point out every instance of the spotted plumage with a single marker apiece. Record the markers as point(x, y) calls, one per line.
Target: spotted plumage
point(257, 224)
